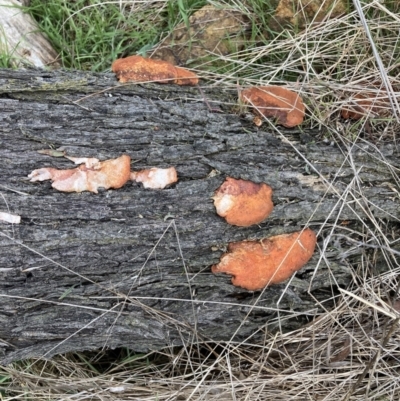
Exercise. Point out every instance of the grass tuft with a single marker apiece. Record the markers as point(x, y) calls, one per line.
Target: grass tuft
point(90, 35)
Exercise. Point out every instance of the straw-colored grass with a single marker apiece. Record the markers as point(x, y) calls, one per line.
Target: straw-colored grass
point(352, 350)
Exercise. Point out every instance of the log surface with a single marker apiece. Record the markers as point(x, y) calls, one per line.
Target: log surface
point(131, 267)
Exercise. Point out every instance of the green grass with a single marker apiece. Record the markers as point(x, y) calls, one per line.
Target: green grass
point(6, 54)
point(5, 381)
point(89, 35)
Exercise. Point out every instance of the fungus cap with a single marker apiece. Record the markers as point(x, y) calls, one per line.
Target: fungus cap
point(140, 69)
point(90, 176)
point(275, 101)
point(257, 264)
point(243, 203)
point(366, 104)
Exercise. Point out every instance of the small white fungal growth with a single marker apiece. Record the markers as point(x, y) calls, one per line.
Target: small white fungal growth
point(10, 218)
point(155, 178)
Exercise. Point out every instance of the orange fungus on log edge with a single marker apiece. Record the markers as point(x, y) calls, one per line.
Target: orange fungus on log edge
point(275, 101)
point(243, 203)
point(366, 104)
point(140, 69)
point(257, 264)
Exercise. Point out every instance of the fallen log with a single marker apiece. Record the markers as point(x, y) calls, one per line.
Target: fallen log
point(131, 267)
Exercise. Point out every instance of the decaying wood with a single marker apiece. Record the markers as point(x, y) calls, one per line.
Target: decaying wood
point(20, 38)
point(131, 267)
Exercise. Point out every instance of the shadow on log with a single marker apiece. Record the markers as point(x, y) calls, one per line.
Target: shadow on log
point(131, 267)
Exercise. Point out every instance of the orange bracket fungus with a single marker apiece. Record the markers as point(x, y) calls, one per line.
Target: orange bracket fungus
point(257, 264)
point(275, 101)
point(366, 104)
point(155, 178)
point(243, 203)
point(140, 69)
point(89, 176)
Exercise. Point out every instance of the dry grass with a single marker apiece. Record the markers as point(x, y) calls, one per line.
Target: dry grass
point(349, 352)
point(329, 64)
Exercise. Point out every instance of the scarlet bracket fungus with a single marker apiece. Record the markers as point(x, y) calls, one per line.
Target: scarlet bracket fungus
point(365, 104)
point(155, 178)
point(257, 264)
point(90, 176)
point(140, 69)
point(275, 101)
point(243, 203)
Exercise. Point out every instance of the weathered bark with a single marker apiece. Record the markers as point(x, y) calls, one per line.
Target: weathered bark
point(131, 267)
